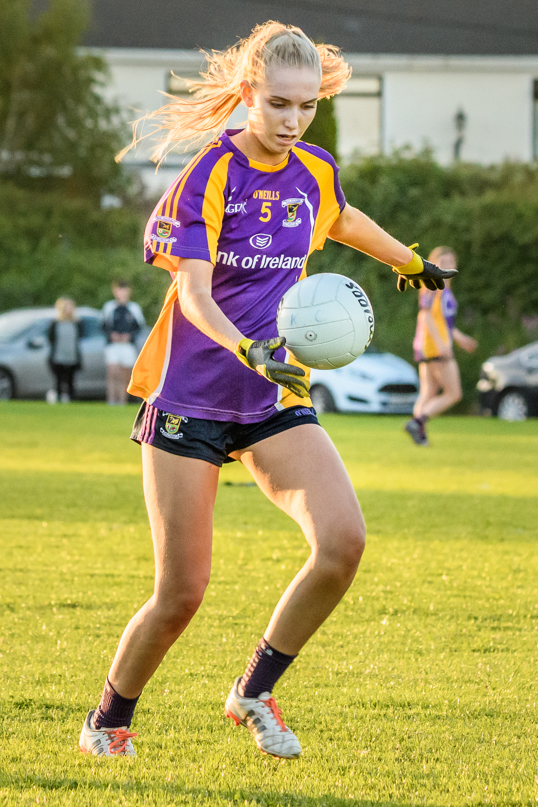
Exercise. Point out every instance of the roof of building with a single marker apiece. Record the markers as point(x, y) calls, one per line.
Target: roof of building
point(494, 27)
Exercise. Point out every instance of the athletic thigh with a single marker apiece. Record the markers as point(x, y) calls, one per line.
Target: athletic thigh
point(429, 384)
point(302, 473)
point(447, 376)
point(180, 495)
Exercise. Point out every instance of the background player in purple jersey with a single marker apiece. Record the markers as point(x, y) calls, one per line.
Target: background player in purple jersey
point(235, 231)
point(440, 384)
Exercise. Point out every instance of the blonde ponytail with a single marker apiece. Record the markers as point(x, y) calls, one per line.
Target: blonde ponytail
point(218, 93)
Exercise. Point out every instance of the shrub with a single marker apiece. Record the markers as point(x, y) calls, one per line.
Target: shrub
point(51, 245)
point(489, 215)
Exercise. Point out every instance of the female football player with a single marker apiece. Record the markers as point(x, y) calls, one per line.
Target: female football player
point(440, 384)
point(235, 230)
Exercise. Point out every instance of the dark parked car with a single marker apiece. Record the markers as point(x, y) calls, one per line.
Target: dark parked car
point(508, 385)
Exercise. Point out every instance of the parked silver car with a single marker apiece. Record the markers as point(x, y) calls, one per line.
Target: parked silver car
point(25, 349)
point(508, 385)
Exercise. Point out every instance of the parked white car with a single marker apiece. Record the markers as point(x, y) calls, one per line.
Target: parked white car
point(375, 382)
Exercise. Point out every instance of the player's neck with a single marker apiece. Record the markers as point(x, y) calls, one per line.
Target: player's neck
point(250, 146)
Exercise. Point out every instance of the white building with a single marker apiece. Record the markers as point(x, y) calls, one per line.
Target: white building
point(474, 95)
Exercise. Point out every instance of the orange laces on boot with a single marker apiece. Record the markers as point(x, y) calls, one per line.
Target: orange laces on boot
point(120, 739)
point(272, 704)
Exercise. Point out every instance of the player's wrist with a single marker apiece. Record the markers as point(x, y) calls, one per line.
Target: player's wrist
point(241, 350)
point(414, 267)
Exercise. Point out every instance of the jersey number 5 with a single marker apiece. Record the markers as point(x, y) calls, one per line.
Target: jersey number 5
point(266, 210)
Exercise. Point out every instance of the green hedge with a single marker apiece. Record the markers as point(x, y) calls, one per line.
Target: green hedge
point(490, 217)
point(51, 245)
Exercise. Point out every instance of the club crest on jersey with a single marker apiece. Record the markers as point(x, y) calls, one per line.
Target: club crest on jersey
point(172, 424)
point(164, 228)
point(261, 241)
point(292, 206)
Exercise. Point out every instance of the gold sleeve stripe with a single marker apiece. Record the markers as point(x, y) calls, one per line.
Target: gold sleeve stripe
point(174, 202)
point(328, 206)
point(213, 207)
point(172, 198)
point(165, 201)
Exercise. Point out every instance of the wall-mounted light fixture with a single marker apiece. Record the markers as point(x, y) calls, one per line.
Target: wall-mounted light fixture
point(460, 121)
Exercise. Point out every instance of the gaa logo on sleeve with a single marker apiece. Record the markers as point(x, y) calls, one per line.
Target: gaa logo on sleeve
point(164, 229)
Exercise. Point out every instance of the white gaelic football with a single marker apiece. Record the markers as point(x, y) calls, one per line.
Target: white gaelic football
point(327, 320)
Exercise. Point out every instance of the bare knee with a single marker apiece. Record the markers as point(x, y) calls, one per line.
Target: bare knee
point(340, 555)
point(174, 610)
point(454, 396)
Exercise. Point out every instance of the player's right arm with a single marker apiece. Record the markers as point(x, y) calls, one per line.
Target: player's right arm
point(193, 281)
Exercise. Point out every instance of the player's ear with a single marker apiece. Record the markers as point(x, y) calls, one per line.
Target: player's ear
point(247, 93)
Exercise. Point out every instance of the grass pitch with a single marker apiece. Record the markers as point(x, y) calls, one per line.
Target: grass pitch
point(419, 690)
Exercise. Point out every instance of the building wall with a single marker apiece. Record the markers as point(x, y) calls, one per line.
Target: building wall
point(138, 79)
point(420, 109)
point(392, 102)
point(421, 96)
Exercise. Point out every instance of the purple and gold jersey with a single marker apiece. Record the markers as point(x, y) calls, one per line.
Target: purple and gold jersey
point(257, 224)
point(444, 307)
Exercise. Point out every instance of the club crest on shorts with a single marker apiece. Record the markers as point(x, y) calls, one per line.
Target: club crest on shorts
point(164, 228)
point(172, 424)
point(292, 206)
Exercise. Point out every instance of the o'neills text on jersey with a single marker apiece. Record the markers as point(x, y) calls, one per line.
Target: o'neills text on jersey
point(271, 195)
point(261, 261)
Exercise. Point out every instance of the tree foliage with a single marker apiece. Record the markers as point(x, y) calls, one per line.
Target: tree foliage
point(56, 130)
point(51, 245)
point(323, 131)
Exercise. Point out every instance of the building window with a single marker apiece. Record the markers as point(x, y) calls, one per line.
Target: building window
point(358, 111)
point(535, 121)
point(176, 85)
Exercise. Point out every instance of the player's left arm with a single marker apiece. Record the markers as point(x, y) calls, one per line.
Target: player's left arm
point(354, 228)
point(357, 230)
point(466, 342)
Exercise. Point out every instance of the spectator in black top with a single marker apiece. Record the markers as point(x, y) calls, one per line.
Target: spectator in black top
point(65, 359)
point(122, 321)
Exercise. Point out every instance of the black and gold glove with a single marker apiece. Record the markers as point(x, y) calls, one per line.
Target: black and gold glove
point(418, 272)
point(259, 357)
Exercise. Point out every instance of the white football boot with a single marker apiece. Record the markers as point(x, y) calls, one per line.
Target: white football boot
point(106, 742)
point(261, 716)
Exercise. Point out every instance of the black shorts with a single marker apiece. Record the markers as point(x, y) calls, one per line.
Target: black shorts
point(211, 440)
point(434, 358)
